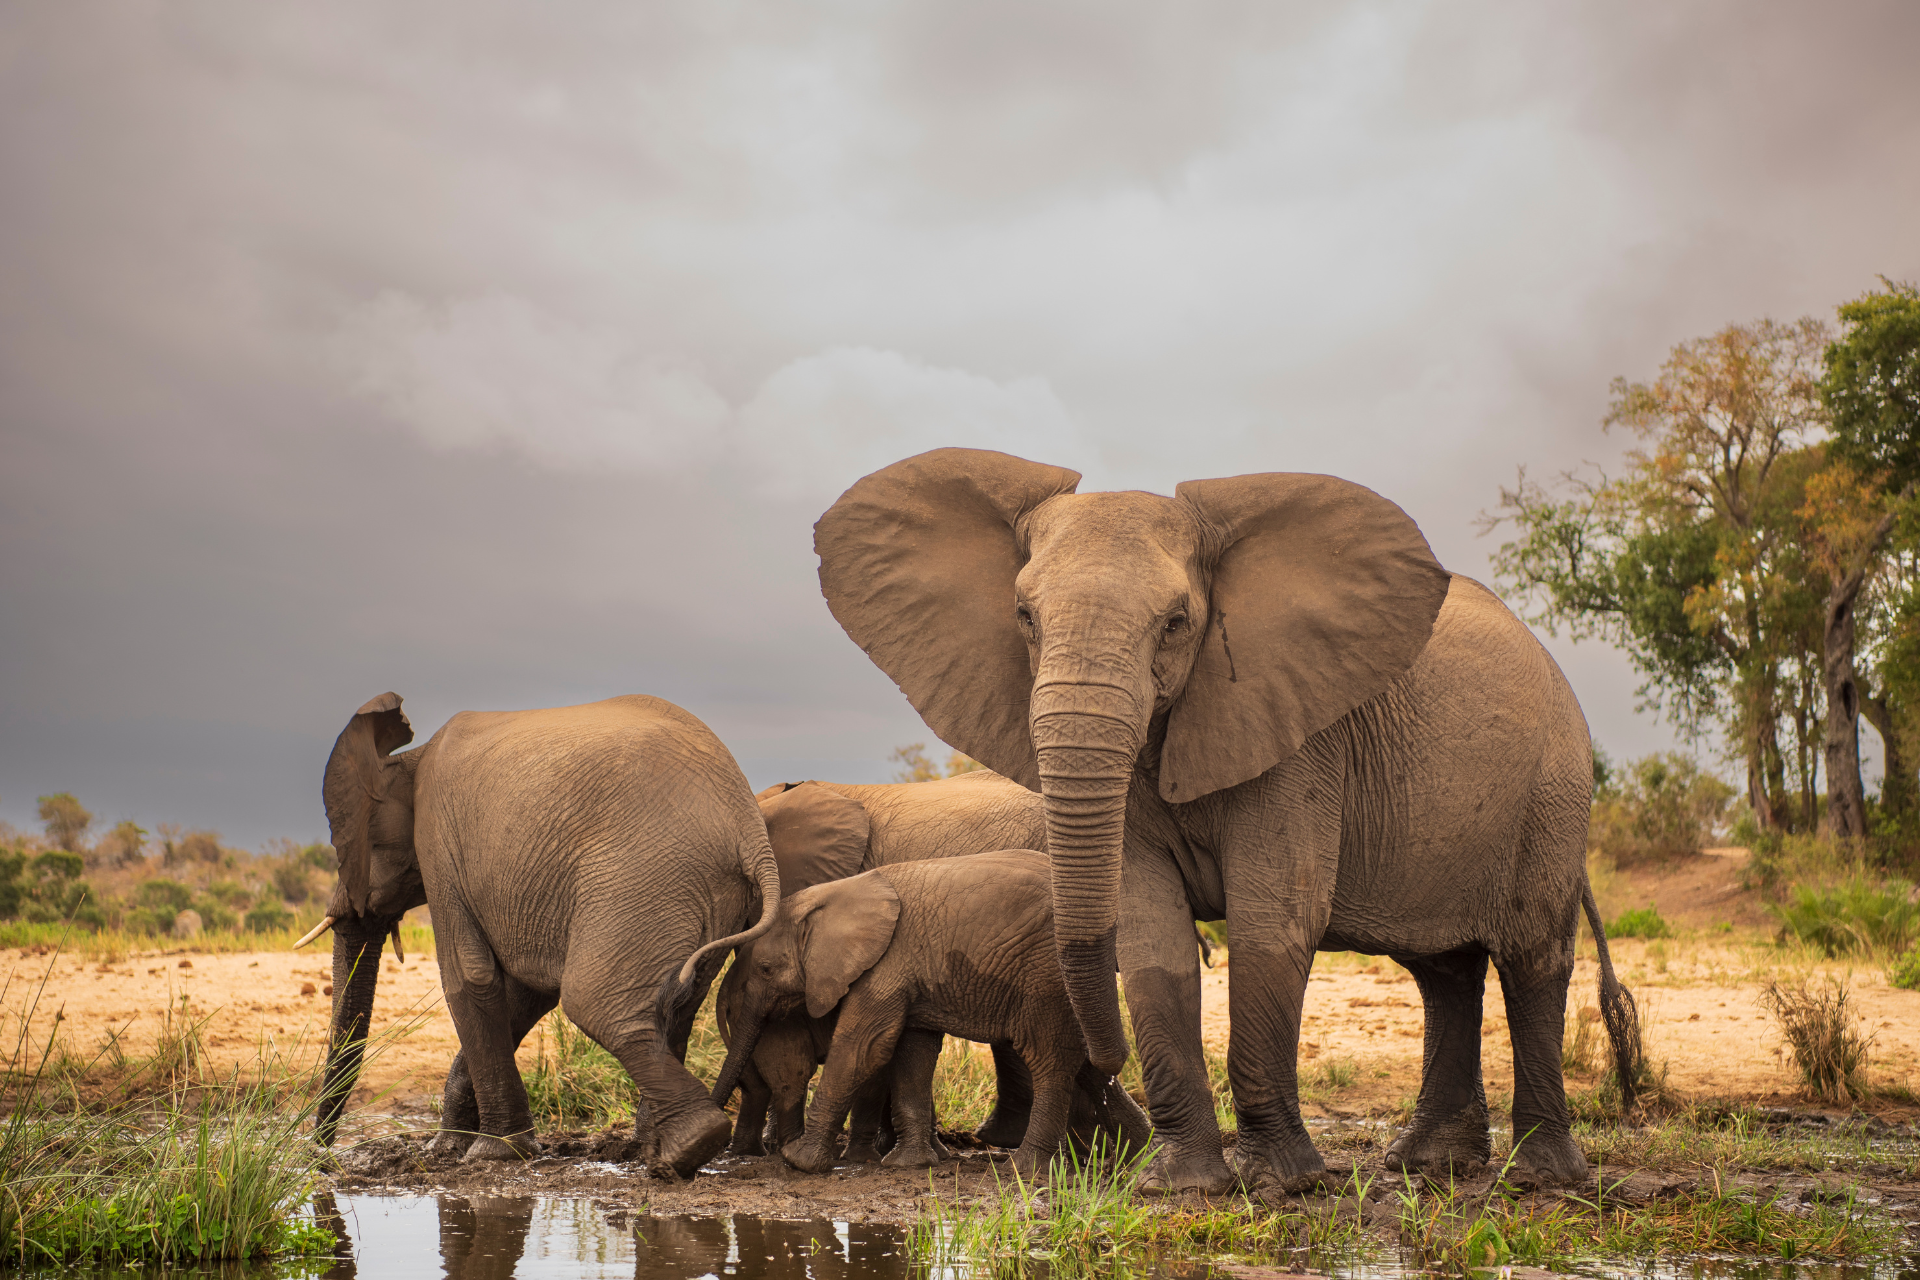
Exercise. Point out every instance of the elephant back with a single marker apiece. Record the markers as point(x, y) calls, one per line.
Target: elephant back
point(952, 817)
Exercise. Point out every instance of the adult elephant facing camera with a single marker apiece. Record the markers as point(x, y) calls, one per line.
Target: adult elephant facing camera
point(601, 857)
point(1261, 699)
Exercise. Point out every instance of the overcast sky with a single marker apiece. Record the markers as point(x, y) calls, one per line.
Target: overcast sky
point(503, 355)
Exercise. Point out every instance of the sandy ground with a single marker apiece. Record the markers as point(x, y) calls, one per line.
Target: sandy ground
point(1700, 994)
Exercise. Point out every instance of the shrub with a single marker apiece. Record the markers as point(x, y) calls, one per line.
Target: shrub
point(1661, 806)
point(1905, 971)
point(269, 917)
point(293, 881)
point(1827, 1046)
point(1858, 914)
point(1647, 922)
point(167, 895)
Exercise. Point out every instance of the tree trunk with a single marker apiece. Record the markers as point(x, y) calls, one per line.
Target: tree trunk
point(1846, 797)
point(1759, 728)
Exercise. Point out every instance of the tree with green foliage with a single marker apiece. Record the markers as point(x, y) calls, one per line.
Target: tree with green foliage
point(1871, 390)
point(916, 767)
point(1695, 560)
point(66, 820)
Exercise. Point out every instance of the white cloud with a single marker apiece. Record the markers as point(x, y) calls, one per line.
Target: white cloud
point(823, 421)
point(495, 372)
point(498, 373)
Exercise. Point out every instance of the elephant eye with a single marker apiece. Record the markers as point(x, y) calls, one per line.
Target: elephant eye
point(1176, 624)
point(1023, 614)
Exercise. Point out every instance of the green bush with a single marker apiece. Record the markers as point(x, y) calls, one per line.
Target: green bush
point(164, 895)
point(269, 917)
point(1858, 914)
point(1905, 971)
point(1661, 806)
point(1647, 922)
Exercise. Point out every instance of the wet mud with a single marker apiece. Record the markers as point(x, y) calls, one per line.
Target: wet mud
point(602, 1167)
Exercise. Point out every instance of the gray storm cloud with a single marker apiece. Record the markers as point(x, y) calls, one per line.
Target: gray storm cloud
point(505, 359)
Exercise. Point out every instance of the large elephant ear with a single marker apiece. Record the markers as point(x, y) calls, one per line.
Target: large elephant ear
point(917, 562)
point(1323, 594)
point(817, 835)
point(361, 776)
point(849, 925)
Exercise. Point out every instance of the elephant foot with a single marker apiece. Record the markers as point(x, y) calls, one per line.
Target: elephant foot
point(808, 1155)
point(1284, 1166)
point(450, 1144)
point(1003, 1129)
point(1173, 1171)
point(514, 1146)
point(1458, 1145)
point(1552, 1157)
point(746, 1144)
point(1030, 1162)
point(914, 1155)
point(940, 1151)
point(689, 1141)
point(862, 1150)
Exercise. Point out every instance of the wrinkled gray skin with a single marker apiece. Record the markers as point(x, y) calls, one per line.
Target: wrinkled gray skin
point(910, 952)
point(601, 857)
point(902, 822)
point(1263, 700)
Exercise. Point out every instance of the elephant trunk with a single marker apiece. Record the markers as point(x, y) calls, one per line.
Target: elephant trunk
point(356, 972)
point(746, 1034)
point(1086, 757)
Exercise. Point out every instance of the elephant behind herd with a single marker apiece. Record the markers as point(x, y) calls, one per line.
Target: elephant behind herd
point(1260, 699)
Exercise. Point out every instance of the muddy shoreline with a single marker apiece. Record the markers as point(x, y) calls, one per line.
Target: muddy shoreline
point(600, 1166)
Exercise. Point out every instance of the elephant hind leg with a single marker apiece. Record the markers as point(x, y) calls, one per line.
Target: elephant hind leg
point(1449, 1126)
point(687, 1129)
point(459, 1109)
point(1013, 1099)
point(1536, 994)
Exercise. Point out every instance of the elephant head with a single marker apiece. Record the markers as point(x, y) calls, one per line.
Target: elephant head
point(821, 941)
point(1067, 640)
point(369, 798)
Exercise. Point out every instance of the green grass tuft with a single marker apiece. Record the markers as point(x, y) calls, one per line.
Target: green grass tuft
point(1858, 914)
point(1646, 922)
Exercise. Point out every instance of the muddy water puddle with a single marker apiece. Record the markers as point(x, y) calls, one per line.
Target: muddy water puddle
point(477, 1237)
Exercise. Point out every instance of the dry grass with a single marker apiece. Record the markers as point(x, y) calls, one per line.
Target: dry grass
point(1822, 1033)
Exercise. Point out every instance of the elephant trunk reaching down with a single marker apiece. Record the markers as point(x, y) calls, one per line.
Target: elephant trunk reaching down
point(746, 1034)
point(356, 971)
point(1086, 738)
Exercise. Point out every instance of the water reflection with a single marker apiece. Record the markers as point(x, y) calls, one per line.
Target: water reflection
point(482, 1237)
point(492, 1237)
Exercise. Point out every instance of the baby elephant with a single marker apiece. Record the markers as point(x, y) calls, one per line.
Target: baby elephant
point(958, 946)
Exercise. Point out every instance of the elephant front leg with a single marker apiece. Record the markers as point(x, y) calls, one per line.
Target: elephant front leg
point(1448, 1131)
point(915, 1060)
point(1267, 988)
point(1536, 996)
point(750, 1122)
point(870, 1131)
point(863, 1043)
point(1161, 968)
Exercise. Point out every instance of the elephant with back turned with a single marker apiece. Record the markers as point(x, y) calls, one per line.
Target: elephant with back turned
point(602, 857)
point(1260, 699)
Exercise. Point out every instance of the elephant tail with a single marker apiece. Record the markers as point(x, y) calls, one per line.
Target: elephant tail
point(1617, 1008)
point(757, 864)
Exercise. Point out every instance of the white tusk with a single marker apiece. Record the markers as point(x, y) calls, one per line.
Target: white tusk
point(399, 953)
point(324, 925)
